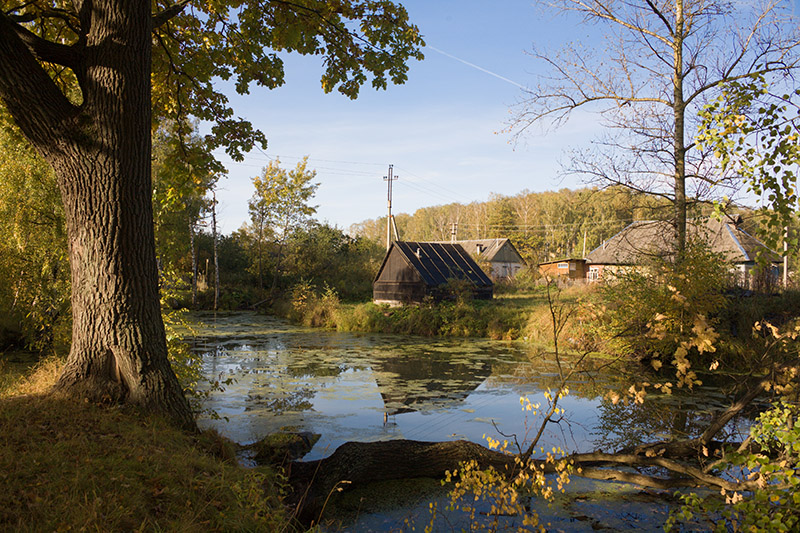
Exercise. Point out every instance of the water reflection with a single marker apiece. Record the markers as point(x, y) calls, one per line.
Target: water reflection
point(375, 387)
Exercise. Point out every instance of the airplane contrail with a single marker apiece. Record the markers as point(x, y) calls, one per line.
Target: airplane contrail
point(476, 67)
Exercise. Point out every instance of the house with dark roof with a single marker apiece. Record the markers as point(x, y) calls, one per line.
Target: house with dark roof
point(656, 239)
point(412, 271)
point(501, 255)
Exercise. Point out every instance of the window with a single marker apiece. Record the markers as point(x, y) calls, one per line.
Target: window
point(563, 265)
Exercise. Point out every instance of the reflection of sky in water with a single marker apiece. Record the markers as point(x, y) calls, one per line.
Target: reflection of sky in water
point(341, 386)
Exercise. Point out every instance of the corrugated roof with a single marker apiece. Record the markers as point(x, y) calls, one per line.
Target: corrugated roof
point(657, 239)
point(491, 248)
point(439, 262)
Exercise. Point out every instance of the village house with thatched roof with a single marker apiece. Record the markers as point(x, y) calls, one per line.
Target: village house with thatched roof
point(644, 240)
point(413, 271)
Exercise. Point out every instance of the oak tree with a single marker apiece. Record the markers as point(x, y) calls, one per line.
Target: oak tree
point(86, 82)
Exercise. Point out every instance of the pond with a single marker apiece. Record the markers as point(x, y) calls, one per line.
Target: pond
point(369, 387)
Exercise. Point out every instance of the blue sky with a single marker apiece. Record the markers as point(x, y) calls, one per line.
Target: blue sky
point(442, 130)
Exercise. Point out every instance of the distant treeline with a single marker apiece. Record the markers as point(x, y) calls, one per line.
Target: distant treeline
point(542, 225)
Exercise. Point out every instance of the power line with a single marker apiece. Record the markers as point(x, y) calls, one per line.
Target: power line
point(427, 186)
point(433, 183)
point(424, 190)
point(310, 158)
point(546, 226)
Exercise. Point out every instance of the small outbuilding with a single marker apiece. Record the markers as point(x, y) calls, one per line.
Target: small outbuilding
point(503, 258)
point(412, 271)
point(572, 268)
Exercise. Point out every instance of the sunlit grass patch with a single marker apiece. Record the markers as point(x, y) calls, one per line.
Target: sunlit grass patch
point(79, 466)
point(36, 379)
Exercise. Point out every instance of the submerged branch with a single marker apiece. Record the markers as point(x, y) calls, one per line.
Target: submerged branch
point(360, 463)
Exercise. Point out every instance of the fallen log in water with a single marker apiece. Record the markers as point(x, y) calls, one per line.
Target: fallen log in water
point(358, 463)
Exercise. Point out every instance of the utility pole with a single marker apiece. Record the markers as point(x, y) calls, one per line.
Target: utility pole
point(389, 179)
point(453, 231)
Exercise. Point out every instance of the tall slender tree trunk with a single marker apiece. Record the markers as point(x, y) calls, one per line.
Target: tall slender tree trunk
point(101, 155)
point(277, 272)
point(261, 253)
point(679, 141)
point(194, 265)
point(216, 256)
point(279, 258)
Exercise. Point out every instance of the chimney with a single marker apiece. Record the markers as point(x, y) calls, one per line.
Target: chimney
point(418, 253)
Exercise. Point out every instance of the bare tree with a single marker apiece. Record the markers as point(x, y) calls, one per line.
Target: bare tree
point(663, 60)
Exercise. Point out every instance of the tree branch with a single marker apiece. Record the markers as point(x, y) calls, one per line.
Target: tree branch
point(37, 105)
point(45, 50)
point(167, 14)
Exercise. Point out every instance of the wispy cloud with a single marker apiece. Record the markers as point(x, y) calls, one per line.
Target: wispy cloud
point(476, 67)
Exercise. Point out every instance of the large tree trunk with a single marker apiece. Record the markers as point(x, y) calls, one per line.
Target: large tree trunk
point(100, 151)
point(118, 348)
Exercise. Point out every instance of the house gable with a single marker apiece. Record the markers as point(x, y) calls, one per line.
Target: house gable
point(492, 250)
point(412, 270)
point(397, 268)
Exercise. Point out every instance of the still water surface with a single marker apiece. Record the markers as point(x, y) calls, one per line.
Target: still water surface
point(368, 387)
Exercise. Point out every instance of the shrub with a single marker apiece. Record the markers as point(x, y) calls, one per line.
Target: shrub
point(313, 308)
point(524, 280)
point(650, 312)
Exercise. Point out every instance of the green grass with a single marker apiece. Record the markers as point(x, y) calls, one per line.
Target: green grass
point(85, 467)
point(508, 316)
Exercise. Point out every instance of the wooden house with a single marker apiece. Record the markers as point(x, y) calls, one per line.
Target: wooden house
point(572, 269)
point(501, 255)
point(412, 271)
point(642, 240)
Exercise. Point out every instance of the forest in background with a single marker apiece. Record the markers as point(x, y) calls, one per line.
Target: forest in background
point(262, 261)
point(544, 225)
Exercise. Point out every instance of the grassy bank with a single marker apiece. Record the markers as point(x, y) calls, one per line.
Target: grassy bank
point(78, 466)
point(507, 317)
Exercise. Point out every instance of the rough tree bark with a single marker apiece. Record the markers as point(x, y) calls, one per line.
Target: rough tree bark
point(100, 151)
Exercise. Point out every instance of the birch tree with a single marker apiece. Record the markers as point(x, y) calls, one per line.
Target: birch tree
point(662, 60)
point(280, 204)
